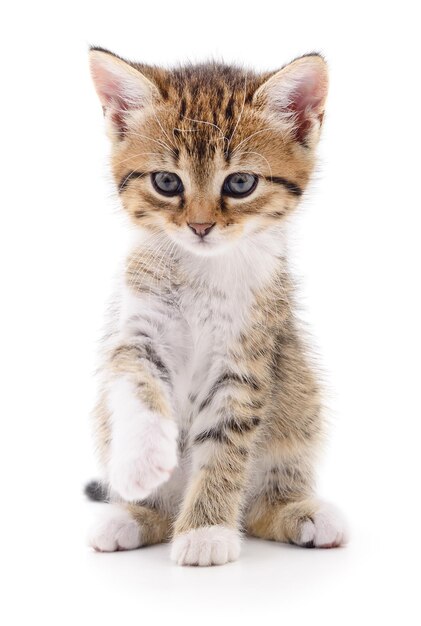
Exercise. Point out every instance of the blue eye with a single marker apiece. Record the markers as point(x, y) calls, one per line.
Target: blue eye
point(239, 185)
point(167, 183)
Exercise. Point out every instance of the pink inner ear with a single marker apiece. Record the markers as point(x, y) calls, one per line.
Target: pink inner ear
point(117, 93)
point(110, 91)
point(306, 100)
point(115, 90)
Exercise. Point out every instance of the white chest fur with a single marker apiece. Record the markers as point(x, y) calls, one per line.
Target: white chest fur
point(214, 306)
point(191, 331)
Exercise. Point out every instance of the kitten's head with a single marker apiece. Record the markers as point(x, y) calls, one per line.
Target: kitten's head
point(210, 154)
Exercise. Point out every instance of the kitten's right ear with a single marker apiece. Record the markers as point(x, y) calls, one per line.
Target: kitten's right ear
point(120, 87)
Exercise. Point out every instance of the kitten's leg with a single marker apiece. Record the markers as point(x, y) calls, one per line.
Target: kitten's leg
point(309, 522)
point(143, 446)
point(283, 506)
point(206, 531)
point(136, 417)
point(129, 526)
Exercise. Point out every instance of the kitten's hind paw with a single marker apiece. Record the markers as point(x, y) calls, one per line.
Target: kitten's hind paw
point(326, 528)
point(117, 530)
point(211, 545)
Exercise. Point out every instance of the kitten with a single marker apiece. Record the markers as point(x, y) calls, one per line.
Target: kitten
point(209, 417)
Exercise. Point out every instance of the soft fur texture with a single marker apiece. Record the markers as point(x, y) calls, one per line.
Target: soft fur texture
point(209, 417)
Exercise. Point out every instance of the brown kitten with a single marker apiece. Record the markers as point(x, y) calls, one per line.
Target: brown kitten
point(209, 418)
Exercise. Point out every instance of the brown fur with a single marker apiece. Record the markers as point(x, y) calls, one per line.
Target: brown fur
point(206, 121)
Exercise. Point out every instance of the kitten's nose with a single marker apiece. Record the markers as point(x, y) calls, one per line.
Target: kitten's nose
point(201, 229)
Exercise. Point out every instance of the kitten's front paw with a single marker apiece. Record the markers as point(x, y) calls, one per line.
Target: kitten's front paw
point(145, 459)
point(211, 545)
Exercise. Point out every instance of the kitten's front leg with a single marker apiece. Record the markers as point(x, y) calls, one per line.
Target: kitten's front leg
point(142, 449)
point(206, 531)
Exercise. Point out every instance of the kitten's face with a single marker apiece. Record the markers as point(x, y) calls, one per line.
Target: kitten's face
point(210, 155)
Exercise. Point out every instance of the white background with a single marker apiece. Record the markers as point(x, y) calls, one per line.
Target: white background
point(356, 249)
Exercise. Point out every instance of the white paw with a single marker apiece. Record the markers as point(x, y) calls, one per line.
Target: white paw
point(144, 457)
point(327, 529)
point(116, 531)
point(212, 545)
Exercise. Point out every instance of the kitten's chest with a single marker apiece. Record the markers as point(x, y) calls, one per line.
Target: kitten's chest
point(217, 301)
point(216, 315)
point(213, 319)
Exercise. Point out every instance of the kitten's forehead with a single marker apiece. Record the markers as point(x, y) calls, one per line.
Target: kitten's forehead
point(206, 106)
point(205, 87)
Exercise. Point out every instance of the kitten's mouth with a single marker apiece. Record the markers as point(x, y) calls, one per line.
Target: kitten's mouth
point(209, 245)
point(203, 246)
point(203, 241)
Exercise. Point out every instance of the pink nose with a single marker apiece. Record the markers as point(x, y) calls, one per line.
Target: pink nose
point(201, 230)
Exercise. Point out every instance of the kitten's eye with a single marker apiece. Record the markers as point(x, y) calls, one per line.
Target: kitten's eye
point(167, 183)
point(239, 184)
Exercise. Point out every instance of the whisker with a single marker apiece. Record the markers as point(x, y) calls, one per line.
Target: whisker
point(262, 130)
point(139, 154)
point(162, 128)
point(205, 122)
point(262, 157)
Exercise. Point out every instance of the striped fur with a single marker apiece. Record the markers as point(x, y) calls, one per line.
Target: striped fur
point(204, 366)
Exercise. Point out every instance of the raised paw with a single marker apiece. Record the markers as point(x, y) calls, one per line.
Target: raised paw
point(144, 458)
point(117, 530)
point(324, 529)
point(211, 545)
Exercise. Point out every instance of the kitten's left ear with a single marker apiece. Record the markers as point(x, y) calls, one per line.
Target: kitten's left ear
point(296, 95)
point(120, 87)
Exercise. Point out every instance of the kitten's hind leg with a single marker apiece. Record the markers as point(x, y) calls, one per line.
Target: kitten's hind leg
point(309, 523)
point(127, 527)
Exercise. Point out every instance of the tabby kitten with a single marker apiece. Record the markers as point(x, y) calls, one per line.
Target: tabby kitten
point(208, 421)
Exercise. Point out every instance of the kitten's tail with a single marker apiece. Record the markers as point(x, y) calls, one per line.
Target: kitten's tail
point(97, 491)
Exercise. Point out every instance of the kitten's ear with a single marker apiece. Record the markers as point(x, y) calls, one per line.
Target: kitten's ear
point(120, 88)
point(296, 95)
